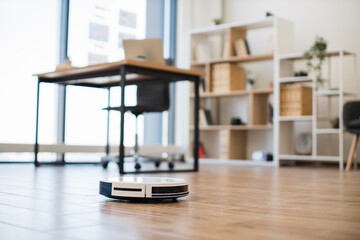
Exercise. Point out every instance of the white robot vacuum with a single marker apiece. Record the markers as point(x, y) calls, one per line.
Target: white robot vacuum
point(144, 188)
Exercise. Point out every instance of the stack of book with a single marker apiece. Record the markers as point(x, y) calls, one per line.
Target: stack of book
point(227, 77)
point(295, 100)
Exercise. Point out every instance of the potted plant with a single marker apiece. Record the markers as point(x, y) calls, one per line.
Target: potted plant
point(315, 57)
point(250, 80)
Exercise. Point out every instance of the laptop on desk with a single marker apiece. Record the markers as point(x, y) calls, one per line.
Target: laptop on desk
point(150, 49)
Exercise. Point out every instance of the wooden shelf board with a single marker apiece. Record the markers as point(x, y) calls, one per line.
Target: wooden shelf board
point(233, 127)
point(295, 79)
point(233, 93)
point(309, 158)
point(235, 59)
point(299, 56)
point(295, 118)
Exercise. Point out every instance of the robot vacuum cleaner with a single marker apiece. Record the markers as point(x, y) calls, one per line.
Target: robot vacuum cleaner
point(144, 188)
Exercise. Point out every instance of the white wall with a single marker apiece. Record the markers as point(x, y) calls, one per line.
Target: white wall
point(338, 21)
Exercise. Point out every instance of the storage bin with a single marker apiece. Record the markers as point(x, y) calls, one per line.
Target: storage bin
point(295, 100)
point(227, 77)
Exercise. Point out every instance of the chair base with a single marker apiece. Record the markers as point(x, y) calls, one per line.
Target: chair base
point(352, 151)
point(141, 158)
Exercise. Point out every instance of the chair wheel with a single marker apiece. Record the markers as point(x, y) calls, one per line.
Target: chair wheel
point(157, 164)
point(137, 166)
point(104, 163)
point(171, 165)
point(182, 158)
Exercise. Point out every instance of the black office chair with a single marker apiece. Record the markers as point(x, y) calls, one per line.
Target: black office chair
point(351, 116)
point(151, 97)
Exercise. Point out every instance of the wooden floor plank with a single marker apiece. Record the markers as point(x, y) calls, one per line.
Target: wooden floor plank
point(225, 202)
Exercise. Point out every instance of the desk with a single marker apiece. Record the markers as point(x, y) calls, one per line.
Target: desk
point(130, 72)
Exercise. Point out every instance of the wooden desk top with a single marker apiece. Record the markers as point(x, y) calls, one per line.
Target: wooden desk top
point(99, 68)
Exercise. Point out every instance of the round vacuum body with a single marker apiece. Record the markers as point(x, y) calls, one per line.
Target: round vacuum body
point(144, 188)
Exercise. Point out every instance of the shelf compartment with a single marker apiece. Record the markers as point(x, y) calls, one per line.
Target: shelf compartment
point(327, 131)
point(296, 118)
point(295, 79)
point(309, 158)
point(233, 127)
point(235, 59)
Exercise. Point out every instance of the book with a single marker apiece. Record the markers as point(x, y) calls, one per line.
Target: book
point(227, 50)
point(208, 117)
point(240, 48)
point(205, 118)
point(247, 47)
point(202, 118)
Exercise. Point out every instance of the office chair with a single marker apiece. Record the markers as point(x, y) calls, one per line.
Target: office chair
point(151, 97)
point(351, 116)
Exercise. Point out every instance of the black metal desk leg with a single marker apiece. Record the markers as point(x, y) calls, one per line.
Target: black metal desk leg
point(122, 117)
point(36, 146)
point(108, 125)
point(62, 108)
point(196, 125)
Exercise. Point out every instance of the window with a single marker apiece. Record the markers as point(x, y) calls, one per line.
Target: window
point(28, 46)
point(96, 31)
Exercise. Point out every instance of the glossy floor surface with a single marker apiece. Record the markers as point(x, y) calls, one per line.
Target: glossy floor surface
point(225, 202)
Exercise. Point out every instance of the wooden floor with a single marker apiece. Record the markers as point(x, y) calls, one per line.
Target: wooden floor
point(225, 202)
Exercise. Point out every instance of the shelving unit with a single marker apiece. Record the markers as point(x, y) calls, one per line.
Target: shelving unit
point(237, 142)
point(285, 126)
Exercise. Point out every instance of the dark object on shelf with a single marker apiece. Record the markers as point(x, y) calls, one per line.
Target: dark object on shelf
point(335, 122)
point(265, 14)
point(303, 144)
point(237, 121)
point(202, 153)
point(271, 113)
point(301, 74)
point(351, 116)
point(261, 156)
point(247, 47)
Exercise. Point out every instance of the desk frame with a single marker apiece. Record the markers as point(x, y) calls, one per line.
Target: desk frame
point(123, 70)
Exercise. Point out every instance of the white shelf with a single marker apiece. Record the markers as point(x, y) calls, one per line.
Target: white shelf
point(295, 118)
point(250, 24)
point(327, 131)
point(299, 56)
point(249, 163)
point(309, 158)
point(333, 93)
point(295, 79)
